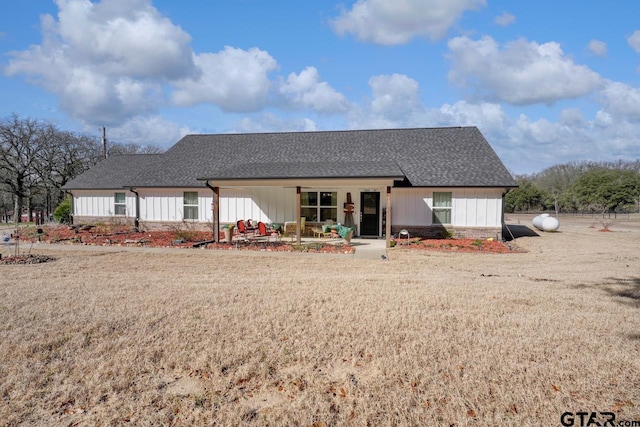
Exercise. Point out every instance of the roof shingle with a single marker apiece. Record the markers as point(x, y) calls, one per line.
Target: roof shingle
point(433, 157)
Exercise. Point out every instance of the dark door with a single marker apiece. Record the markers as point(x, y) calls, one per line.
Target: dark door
point(370, 213)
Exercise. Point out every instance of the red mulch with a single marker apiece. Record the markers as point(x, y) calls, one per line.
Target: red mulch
point(457, 245)
point(120, 236)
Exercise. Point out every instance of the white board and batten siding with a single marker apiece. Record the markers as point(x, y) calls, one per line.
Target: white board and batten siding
point(470, 207)
point(101, 203)
point(155, 204)
point(167, 204)
point(266, 204)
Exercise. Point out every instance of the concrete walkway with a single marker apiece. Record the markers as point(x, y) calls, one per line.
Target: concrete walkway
point(369, 248)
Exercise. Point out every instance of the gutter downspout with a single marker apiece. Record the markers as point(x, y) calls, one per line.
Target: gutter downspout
point(215, 208)
point(136, 222)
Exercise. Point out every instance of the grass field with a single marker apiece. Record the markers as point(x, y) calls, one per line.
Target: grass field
point(119, 336)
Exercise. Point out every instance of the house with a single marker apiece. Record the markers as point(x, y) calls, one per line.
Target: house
point(420, 180)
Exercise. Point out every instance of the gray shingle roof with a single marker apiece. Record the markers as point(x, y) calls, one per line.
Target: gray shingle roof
point(114, 172)
point(438, 157)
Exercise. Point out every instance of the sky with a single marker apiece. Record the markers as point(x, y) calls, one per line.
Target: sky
point(546, 82)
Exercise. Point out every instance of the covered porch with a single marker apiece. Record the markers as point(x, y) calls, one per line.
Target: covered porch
point(305, 205)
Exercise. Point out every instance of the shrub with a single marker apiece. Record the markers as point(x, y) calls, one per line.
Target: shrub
point(62, 213)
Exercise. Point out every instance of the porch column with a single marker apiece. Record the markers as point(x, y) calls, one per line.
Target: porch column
point(298, 213)
point(388, 222)
point(216, 214)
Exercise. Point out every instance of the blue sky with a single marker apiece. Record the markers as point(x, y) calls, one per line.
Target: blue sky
point(546, 82)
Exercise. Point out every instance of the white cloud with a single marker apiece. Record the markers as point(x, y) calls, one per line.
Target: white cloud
point(571, 117)
point(124, 37)
point(307, 91)
point(106, 61)
point(634, 41)
point(394, 96)
point(519, 73)
point(487, 116)
point(269, 122)
point(234, 79)
point(397, 22)
point(144, 130)
point(505, 19)
point(621, 100)
point(597, 47)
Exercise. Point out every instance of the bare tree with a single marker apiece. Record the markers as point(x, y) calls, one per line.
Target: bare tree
point(132, 148)
point(20, 142)
point(65, 156)
point(37, 160)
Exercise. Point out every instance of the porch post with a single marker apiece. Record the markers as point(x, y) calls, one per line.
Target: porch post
point(215, 210)
point(216, 214)
point(388, 222)
point(298, 212)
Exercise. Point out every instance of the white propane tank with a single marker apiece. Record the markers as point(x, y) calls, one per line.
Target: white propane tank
point(545, 222)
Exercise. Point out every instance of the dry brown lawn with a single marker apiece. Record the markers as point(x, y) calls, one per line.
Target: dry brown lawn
point(112, 336)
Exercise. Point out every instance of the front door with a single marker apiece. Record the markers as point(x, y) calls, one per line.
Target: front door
point(370, 213)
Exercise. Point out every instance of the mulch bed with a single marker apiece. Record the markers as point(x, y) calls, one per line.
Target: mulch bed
point(110, 235)
point(26, 259)
point(121, 236)
point(456, 245)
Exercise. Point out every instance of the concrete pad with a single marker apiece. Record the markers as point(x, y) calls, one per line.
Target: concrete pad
point(369, 248)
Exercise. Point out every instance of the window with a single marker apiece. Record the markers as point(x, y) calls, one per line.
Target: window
point(119, 204)
point(319, 206)
point(190, 210)
point(442, 208)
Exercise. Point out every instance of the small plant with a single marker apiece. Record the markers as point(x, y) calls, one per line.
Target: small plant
point(184, 231)
point(446, 234)
point(185, 235)
point(62, 213)
point(477, 243)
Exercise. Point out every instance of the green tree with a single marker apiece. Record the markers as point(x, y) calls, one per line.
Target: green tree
point(63, 212)
point(526, 197)
point(604, 190)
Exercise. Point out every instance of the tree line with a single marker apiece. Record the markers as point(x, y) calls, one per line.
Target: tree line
point(37, 159)
point(598, 187)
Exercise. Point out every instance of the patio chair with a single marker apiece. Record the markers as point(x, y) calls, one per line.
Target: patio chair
point(318, 232)
point(264, 231)
point(244, 229)
point(290, 227)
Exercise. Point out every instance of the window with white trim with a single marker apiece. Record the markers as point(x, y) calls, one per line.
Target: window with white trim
point(119, 204)
point(442, 207)
point(190, 205)
point(319, 206)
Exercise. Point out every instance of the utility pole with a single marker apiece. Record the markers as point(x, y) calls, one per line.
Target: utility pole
point(104, 142)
